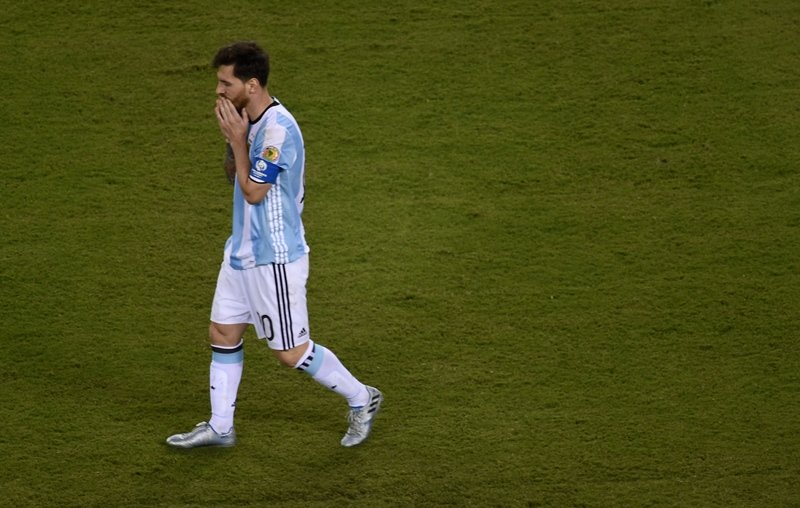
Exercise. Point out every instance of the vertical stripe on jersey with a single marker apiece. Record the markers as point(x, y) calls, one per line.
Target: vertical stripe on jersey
point(246, 247)
point(247, 220)
point(276, 223)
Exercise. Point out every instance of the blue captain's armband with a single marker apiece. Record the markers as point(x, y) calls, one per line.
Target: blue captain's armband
point(264, 171)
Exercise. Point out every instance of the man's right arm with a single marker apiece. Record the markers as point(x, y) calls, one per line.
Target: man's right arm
point(229, 165)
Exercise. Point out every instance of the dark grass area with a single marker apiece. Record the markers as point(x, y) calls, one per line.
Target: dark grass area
point(561, 237)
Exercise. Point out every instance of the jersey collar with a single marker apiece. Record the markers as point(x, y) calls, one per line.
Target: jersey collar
point(271, 104)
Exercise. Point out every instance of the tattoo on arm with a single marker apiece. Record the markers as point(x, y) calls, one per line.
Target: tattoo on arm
point(230, 164)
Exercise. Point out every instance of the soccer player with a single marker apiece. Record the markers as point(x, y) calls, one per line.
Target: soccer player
point(262, 280)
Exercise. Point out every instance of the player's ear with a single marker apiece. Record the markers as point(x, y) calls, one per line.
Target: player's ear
point(252, 83)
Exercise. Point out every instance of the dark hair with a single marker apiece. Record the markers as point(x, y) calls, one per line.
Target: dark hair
point(248, 60)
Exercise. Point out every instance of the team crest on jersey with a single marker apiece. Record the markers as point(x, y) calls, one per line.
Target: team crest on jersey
point(271, 153)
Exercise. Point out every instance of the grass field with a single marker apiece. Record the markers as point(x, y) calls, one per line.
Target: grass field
point(563, 237)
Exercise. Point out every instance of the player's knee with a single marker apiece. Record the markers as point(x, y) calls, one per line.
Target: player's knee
point(290, 357)
point(214, 334)
point(224, 335)
point(284, 358)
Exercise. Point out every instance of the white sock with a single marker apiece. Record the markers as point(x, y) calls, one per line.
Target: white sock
point(321, 364)
point(224, 377)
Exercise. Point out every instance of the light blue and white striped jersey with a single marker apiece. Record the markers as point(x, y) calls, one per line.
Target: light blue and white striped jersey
point(271, 231)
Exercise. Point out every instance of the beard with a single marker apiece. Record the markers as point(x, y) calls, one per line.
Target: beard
point(239, 102)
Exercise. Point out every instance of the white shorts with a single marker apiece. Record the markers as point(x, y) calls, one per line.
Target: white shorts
point(271, 297)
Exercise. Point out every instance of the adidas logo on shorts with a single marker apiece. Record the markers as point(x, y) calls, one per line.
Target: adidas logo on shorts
point(302, 333)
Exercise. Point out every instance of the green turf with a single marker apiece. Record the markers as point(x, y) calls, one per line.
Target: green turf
point(561, 236)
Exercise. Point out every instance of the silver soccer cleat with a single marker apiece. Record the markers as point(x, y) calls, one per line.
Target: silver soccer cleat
point(361, 419)
point(202, 435)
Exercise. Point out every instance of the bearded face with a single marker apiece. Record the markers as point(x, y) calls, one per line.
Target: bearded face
point(231, 87)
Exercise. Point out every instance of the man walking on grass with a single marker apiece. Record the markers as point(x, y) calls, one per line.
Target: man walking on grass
point(262, 280)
